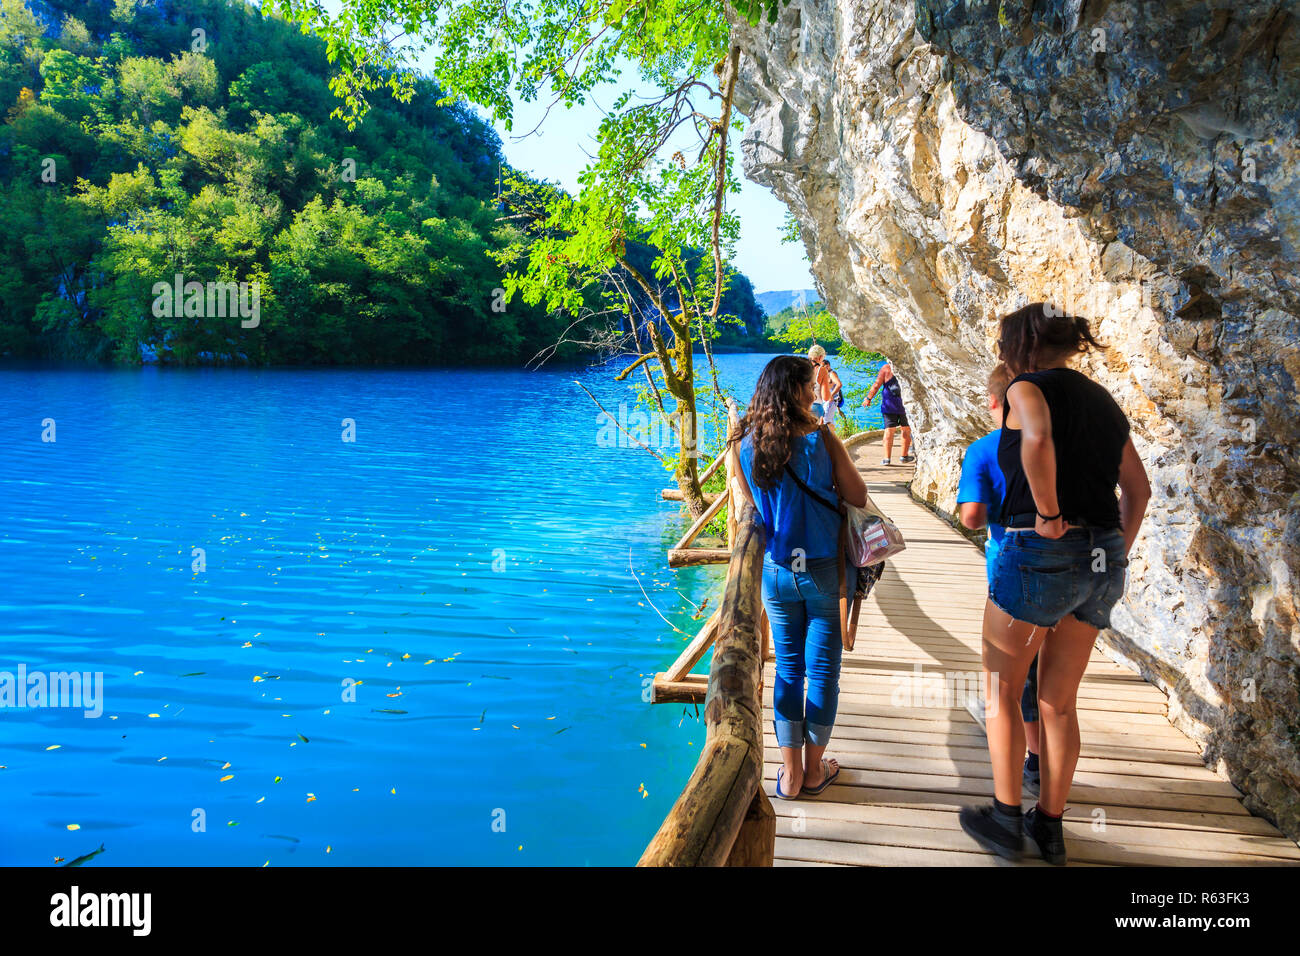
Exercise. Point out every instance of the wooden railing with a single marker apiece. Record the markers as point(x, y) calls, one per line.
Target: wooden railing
point(723, 817)
point(678, 685)
point(682, 554)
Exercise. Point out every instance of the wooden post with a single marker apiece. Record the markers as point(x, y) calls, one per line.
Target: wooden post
point(756, 842)
point(703, 825)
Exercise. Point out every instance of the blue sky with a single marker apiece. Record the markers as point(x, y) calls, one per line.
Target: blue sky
point(560, 149)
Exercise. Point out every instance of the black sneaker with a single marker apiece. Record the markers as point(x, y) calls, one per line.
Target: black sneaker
point(1032, 780)
point(994, 830)
point(908, 459)
point(1047, 836)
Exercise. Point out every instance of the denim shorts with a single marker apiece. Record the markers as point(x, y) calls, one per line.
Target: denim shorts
point(1041, 580)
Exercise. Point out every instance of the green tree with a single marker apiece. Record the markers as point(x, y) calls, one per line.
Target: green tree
point(487, 53)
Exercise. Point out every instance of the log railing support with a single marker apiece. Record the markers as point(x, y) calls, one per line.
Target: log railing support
point(723, 817)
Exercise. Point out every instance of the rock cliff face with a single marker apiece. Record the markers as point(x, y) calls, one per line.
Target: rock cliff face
point(1138, 164)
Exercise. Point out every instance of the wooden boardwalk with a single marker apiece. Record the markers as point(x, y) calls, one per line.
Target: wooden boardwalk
point(1141, 794)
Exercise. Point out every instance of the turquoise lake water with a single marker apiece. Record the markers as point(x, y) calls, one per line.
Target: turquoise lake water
point(473, 561)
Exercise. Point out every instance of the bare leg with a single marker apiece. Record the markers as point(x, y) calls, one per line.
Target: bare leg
point(1009, 648)
point(1060, 668)
point(815, 773)
point(889, 443)
point(1031, 736)
point(792, 780)
point(907, 440)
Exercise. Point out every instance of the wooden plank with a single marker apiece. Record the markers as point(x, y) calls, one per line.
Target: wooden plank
point(1090, 790)
point(860, 799)
point(690, 557)
point(692, 689)
point(970, 766)
point(695, 650)
point(709, 513)
point(1084, 845)
point(1075, 824)
point(1134, 761)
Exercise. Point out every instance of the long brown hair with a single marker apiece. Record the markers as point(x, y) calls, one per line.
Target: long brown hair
point(777, 416)
point(1040, 332)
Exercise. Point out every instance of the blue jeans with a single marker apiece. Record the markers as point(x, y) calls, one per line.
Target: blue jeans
point(804, 610)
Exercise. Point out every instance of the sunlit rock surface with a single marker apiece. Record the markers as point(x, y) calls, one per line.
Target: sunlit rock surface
point(949, 162)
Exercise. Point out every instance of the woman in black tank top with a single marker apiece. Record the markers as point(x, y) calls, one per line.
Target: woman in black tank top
point(1064, 447)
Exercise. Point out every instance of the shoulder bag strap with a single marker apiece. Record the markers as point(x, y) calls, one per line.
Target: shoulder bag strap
point(846, 635)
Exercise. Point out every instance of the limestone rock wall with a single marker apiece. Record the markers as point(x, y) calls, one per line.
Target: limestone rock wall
point(1137, 163)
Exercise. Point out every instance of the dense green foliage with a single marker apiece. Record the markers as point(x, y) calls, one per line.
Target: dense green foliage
point(142, 141)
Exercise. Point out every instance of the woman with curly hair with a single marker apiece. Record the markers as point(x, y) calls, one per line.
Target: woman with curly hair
point(1063, 449)
point(794, 465)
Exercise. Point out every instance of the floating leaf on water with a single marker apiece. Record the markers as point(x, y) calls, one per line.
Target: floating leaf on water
point(311, 797)
point(385, 710)
point(54, 747)
point(194, 674)
point(226, 765)
point(74, 826)
point(82, 859)
point(560, 731)
point(259, 799)
point(229, 776)
point(277, 779)
point(303, 739)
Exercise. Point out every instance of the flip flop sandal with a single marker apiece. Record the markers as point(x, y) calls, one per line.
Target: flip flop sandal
point(826, 781)
point(783, 796)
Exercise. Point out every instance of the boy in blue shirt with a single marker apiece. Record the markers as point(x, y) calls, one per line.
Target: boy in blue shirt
point(979, 500)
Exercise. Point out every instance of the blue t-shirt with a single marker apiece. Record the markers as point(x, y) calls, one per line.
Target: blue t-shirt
point(791, 518)
point(982, 481)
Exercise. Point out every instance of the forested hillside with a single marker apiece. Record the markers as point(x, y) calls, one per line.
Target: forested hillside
point(145, 141)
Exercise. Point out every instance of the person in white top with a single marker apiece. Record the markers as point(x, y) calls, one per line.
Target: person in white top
point(827, 386)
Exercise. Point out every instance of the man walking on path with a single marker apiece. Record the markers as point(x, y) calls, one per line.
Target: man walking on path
point(891, 409)
point(979, 500)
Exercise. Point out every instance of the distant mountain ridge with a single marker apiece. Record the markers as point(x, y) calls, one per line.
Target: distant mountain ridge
point(774, 302)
